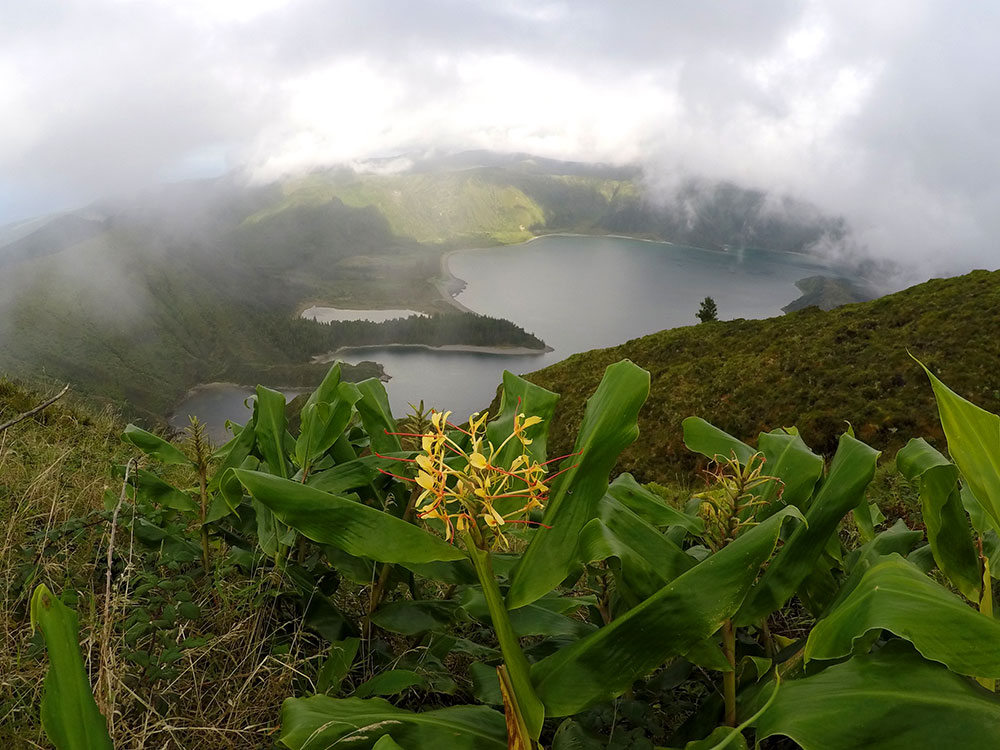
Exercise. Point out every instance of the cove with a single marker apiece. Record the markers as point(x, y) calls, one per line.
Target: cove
point(582, 293)
point(576, 293)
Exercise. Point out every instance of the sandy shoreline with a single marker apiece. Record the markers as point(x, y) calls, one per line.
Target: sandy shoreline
point(497, 350)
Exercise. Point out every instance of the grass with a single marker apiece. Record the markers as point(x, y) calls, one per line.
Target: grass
point(237, 659)
point(816, 370)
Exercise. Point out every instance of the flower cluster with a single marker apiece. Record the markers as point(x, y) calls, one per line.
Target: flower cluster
point(463, 483)
point(730, 503)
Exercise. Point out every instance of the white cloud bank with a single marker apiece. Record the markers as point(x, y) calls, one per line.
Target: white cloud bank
point(884, 112)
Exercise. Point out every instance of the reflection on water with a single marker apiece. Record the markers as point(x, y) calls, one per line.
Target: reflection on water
point(576, 293)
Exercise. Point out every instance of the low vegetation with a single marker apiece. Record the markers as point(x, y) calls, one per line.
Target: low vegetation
point(426, 584)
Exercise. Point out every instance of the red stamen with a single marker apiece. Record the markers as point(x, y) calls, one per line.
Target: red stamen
point(394, 458)
point(456, 427)
point(390, 474)
point(553, 476)
point(568, 455)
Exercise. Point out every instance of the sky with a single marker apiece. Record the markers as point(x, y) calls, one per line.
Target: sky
point(887, 113)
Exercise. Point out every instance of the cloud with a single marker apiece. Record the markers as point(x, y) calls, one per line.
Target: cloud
point(883, 112)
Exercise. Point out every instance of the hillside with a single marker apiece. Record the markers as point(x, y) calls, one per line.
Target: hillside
point(811, 369)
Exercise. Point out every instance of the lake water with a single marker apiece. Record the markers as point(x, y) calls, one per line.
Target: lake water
point(580, 293)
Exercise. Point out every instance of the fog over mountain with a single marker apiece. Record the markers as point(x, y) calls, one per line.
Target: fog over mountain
point(885, 113)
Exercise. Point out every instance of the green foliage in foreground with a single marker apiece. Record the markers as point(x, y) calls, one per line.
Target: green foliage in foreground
point(812, 369)
point(748, 614)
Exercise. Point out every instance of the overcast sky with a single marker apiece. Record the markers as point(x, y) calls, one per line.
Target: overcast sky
point(886, 112)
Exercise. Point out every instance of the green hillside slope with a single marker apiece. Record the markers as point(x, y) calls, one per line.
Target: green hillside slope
point(811, 369)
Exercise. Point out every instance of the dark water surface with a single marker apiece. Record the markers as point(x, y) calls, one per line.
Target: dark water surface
point(576, 293)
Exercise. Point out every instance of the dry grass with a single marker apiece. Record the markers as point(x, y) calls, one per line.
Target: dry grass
point(224, 693)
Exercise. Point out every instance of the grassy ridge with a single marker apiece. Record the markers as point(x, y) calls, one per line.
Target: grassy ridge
point(811, 369)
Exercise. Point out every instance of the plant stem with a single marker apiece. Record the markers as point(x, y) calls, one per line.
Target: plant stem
point(378, 591)
point(527, 702)
point(729, 678)
point(203, 487)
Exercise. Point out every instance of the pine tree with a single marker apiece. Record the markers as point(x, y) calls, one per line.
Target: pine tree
point(708, 311)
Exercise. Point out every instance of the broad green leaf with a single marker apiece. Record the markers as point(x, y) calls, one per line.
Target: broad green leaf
point(892, 700)
point(321, 425)
point(376, 416)
point(162, 493)
point(409, 617)
point(269, 414)
point(391, 682)
point(941, 507)
point(650, 506)
point(609, 426)
point(647, 559)
point(351, 475)
point(897, 597)
point(338, 664)
point(326, 391)
point(534, 619)
point(852, 469)
point(973, 436)
point(571, 736)
point(386, 742)
point(485, 683)
point(684, 612)
point(353, 527)
point(518, 396)
point(708, 440)
point(787, 457)
point(320, 722)
point(155, 447)
point(898, 539)
point(239, 449)
point(70, 716)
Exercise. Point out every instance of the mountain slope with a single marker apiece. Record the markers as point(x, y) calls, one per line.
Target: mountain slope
point(811, 369)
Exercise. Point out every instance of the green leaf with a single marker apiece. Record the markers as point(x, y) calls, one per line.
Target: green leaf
point(787, 457)
point(239, 449)
point(326, 391)
point(409, 617)
point(688, 610)
point(269, 414)
point(897, 597)
point(391, 682)
point(852, 469)
point(651, 507)
point(609, 426)
point(338, 665)
point(708, 440)
point(518, 396)
point(351, 475)
point(155, 447)
point(387, 743)
point(647, 559)
point(322, 423)
point(70, 716)
point(376, 416)
point(941, 505)
point(973, 436)
point(892, 700)
point(319, 722)
point(162, 493)
point(353, 527)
